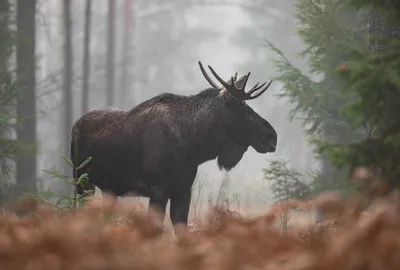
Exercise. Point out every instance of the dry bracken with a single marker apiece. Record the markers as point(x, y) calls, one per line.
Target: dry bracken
point(88, 239)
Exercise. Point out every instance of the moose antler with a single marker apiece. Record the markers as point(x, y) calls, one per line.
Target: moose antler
point(209, 80)
point(231, 88)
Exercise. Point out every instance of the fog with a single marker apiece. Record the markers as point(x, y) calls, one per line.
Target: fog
point(166, 39)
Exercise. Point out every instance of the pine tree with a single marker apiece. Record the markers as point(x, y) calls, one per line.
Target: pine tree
point(329, 31)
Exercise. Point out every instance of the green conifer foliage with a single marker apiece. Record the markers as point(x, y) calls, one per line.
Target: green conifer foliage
point(374, 78)
point(330, 32)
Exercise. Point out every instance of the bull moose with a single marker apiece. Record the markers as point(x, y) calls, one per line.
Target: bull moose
point(154, 149)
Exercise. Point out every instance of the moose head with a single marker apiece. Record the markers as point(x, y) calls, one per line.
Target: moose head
point(244, 127)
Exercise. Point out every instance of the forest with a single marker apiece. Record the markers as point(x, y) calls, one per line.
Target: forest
point(325, 196)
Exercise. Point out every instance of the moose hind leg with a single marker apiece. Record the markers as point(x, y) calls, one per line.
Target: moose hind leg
point(179, 208)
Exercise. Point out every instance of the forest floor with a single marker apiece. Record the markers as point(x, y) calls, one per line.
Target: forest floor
point(121, 237)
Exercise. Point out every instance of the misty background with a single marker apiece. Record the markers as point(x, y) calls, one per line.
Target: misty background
point(157, 44)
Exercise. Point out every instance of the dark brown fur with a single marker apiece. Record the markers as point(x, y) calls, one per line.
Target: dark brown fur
point(154, 149)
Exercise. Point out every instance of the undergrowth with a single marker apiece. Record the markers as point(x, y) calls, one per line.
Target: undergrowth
point(85, 239)
point(63, 203)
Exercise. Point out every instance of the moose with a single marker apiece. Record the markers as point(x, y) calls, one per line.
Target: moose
point(154, 149)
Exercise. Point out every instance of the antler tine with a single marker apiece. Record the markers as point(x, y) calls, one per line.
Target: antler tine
point(255, 88)
point(234, 78)
point(238, 93)
point(245, 82)
point(210, 81)
point(232, 89)
point(224, 84)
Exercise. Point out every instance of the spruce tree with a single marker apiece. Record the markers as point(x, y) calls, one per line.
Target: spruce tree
point(330, 31)
point(373, 76)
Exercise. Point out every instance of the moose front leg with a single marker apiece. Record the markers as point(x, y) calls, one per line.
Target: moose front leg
point(109, 201)
point(180, 206)
point(157, 205)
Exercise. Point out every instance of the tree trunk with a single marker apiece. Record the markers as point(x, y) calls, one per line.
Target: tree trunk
point(4, 82)
point(110, 54)
point(67, 91)
point(4, 57)
point(126, 54)
point(382, 28)
point(86, 58)
point(4, 35)
point(26, 103)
